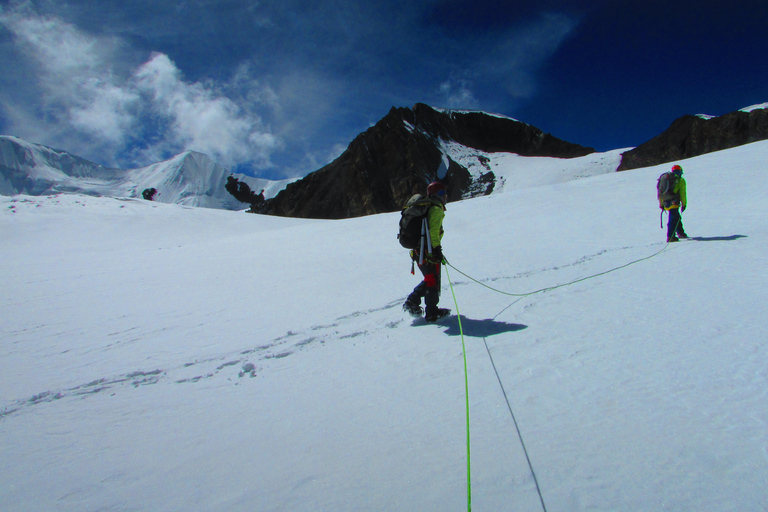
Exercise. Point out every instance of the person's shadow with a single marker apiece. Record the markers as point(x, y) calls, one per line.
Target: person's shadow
point(717, 238)
point(476, 328)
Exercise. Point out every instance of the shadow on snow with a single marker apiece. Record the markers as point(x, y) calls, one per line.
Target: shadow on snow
point(717, 238)
point(475, 328)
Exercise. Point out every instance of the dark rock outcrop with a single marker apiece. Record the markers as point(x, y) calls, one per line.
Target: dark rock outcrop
point(389, 162)
point(243, 193)
point(691, 136)
point(149, 193)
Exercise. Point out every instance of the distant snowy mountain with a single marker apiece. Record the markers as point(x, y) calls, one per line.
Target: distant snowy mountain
point(190, 178)
point(27, 168)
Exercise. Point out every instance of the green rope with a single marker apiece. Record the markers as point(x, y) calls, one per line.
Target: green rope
point(466, 392)
point(559, 285)
point(464, 351)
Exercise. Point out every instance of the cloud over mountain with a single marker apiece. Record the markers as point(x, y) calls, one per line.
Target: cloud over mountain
point(265, 87)
point(92, 102)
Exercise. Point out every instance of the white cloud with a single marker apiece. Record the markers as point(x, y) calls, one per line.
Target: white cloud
point(90, 95)
point(200, 117)
point(108, 112)
point(515, 61)
point(500, 66)
point(75, 76)
point(324, 76)
point(336, 151)
point(457, 95)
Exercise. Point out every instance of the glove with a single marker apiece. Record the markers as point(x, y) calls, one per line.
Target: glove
point(437, 253)
point(682, 208)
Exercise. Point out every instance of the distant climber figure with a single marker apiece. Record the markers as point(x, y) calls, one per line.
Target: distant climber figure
point(432, 258)
point(671, 193)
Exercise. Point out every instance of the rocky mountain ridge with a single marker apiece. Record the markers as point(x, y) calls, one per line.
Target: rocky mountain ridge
point(380, 169)
point(690, 136)
point(402, 153)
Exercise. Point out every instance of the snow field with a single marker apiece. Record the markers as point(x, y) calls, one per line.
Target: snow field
point(157, 357)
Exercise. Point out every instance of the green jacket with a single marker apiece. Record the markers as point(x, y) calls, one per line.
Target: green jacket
point(680, 200)
point(435, 216)
point(680, 191)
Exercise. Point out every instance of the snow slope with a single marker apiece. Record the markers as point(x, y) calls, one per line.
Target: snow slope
point(518, 172)
point(159, 357)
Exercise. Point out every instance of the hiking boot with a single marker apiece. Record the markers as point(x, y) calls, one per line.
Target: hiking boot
point(682, 235)
point(437, 315)
point(413, 309)
point(673, 239)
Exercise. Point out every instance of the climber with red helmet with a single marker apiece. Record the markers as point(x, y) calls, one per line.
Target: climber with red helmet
point(429, 264)
point(672, 198)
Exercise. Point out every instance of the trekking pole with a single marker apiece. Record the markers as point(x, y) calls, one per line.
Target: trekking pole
point(428, 235)
point(423, 238)
point(661, 219)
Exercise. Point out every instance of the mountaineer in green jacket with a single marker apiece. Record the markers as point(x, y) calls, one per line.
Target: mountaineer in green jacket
point(429, 262)
point(673, 199)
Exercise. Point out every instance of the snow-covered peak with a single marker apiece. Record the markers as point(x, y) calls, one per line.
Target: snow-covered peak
point(755, 107)
point(749, 109)
point(35, 169)
point(189, 178)
point(450, 112)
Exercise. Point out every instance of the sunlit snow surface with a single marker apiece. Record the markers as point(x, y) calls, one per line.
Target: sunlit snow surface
point(159, 357)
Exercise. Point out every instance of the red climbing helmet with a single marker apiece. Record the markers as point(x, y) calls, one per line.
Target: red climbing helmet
point(436, 188)
point(677, 169)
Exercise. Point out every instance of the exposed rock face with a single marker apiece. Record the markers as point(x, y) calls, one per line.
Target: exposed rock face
point(401, 154)
point(691, 136)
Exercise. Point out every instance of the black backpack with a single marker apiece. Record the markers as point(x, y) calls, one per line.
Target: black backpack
point(665, 186)
point(411, 219)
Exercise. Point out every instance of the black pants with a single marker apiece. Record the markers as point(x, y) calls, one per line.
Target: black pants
point(429, 288)
point(675, 223)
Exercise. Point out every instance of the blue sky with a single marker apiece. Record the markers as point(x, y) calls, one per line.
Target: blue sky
point(278, 88)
